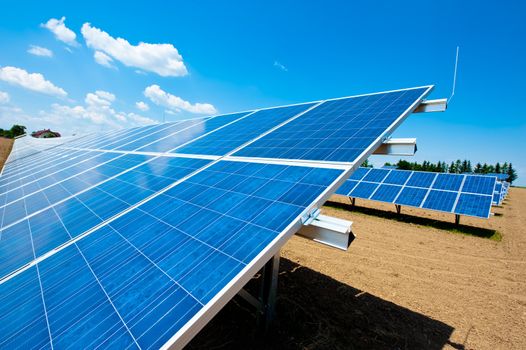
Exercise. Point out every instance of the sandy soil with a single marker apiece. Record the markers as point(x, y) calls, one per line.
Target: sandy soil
point(5, 148)
point(406, 282)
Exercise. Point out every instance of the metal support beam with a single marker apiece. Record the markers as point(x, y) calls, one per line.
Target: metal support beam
point(330, 231)
point(397, 147)
point(398, 208)
point(438, 105)
point(353, 201)
point(457, 219)
point(265, 303)
point(268, 293)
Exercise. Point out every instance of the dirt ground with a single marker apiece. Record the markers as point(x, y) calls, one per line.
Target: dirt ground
point(5, 148)
point(408, 282)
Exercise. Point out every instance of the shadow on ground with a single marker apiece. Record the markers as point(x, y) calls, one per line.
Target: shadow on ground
point(315, 311)
point(439, 224)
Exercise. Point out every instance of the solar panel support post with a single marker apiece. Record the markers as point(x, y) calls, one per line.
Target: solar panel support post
point(457, 219)
point(398, 208)
point(268, 293)
point(353, 201)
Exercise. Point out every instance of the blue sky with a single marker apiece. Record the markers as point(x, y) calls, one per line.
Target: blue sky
point(214, 56)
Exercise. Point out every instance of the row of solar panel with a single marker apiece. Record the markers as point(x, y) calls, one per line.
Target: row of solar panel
point(110, 249)
point(453, 193)
point(501, 191)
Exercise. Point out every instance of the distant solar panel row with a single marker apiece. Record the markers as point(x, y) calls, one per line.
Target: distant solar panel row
point(126, 238)
point(453, 193)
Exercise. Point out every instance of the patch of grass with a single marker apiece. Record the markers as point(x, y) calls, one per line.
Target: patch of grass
point(493, 235)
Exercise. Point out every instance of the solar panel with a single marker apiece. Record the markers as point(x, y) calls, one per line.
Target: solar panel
point(134, 238)
point(349, 125)
point(453, 193)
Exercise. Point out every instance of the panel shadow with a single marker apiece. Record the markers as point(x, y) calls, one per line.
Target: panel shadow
point(315, 311)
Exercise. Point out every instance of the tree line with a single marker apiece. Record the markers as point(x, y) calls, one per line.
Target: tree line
point(459, 167)
point(16, 130)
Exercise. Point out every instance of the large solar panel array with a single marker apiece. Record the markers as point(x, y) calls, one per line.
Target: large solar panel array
point(460, 194)
point(137, 237)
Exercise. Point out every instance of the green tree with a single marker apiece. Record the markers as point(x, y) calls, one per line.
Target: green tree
point(512, 174)
point(366, 164)
point(498, 168)
point(18, 130)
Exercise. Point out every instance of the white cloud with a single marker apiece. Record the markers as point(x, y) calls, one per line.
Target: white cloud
point(142, 106)
point(99, 98)
point(62, 33)
point(30, 81)
point(4, 97)
point(173, 103)
point(280, 66)
point(40, 51)
point(103, 59)
point(163, 59)
point(96, 114)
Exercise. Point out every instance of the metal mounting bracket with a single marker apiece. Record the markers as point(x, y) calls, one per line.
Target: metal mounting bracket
point(397, 147)
point(438, 105)
point(329, 231)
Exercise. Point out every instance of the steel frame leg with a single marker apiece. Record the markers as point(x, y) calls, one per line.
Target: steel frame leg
point(268, 293)
point(457, 219)
point(398, 208)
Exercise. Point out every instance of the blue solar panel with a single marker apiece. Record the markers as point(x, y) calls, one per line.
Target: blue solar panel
point(123, 250)
point(197, 130)
point(413, 187)
point(234, 135)
point(363, 190)
point(440, 200)
point(359, 173)
point(397, 177)
point(450, 182)
point(337, 130)
point(386, 193)
point(376, 175)
point(411, 196)
point(138, 280)
point(41, 199)
point(421, 179)
point(479, 184)
point(474, 205)
point(346, 188)
point(58, 223)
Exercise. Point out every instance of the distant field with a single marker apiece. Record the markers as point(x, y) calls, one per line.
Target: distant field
point(5, 148)
point(404, 284)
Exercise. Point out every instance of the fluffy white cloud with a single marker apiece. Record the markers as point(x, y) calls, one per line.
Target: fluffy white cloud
point(96, 114)
point(142, 106)
point(61, 32)
point(163, 59)
point(30, 81)
point(4, 97)
point(99, 98)
point(40, 51)
point(174, 103)
point(103, 59)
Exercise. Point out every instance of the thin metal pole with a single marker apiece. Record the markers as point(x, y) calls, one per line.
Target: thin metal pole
point(454, 77)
